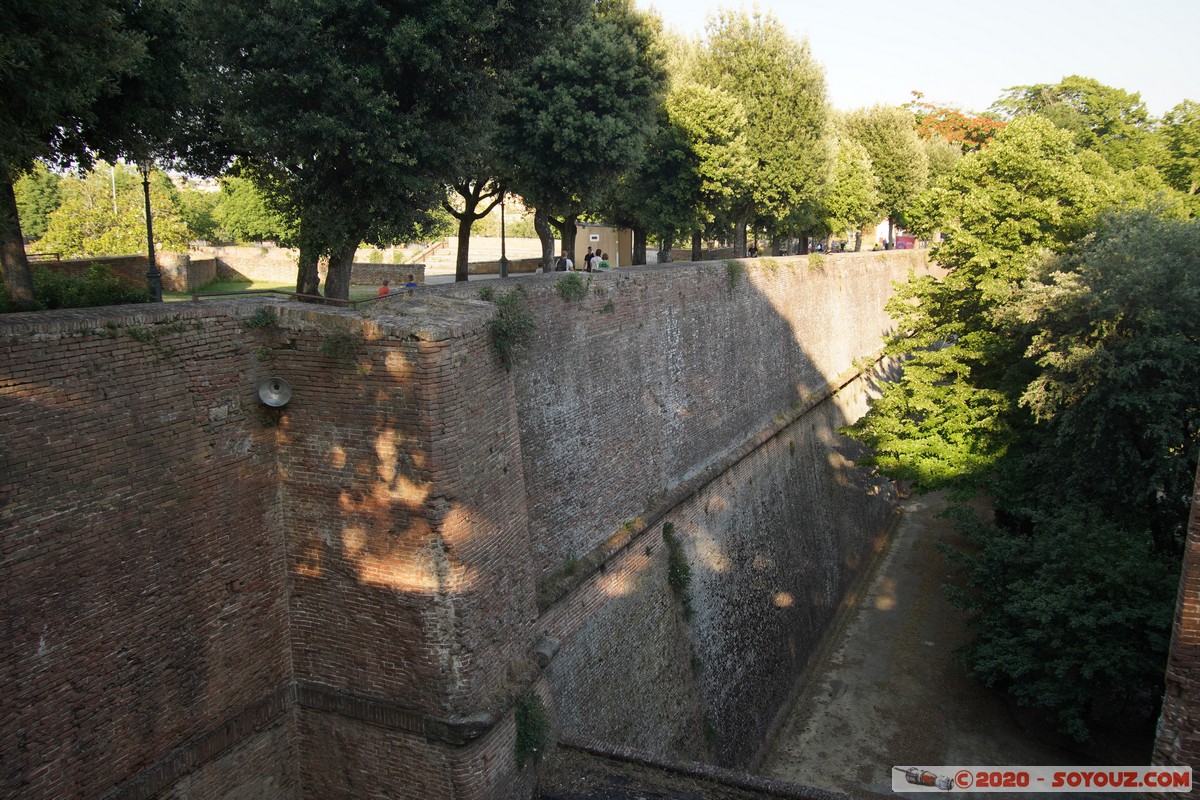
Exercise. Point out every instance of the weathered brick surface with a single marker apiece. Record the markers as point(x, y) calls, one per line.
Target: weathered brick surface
point(143, 565)
point(196, 587)
point(638, 389)
point(659, 369)
point(1178, 741)
point(404, 498)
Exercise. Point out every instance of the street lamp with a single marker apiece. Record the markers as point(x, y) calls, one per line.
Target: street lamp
point(153, 276)
point(503, 257)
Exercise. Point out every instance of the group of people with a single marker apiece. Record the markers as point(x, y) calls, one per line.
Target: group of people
point(386, 287)
point(594, 261)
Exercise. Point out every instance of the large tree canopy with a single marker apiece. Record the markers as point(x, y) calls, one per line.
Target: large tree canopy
point(349, 115)
point(1110, 121)
point(751, 56)
point(58, 58)
point(897, 154)
point(584, 114)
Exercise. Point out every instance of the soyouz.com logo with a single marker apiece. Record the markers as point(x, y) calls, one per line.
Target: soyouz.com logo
point(1041, 779)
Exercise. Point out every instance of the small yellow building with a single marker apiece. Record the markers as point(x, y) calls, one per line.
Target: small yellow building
point(617, 242)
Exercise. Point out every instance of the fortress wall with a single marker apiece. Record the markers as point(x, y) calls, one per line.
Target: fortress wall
point(773, 544)
point(709, 377)
point(659, 370)
point(145, 624)
point(412, 590)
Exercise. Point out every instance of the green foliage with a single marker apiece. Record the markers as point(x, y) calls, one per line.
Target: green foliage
point(581, 119)
point(1110, 121)
point(98, 287)
point(734, 270)
point(85, 223)
point(263, 318)
point(781, 88)
point(679, 572)
point(198, 210)
point(341, 346)
point(1180, 131)
point(571, 287)
point(1074, 619)
point(37, 196)
point(350, 115)
point(816, 261)
point(898, 157)
point(513, 326)
point(533, 729)
point(241, 212)
point(1057, 365)
point(852, 200)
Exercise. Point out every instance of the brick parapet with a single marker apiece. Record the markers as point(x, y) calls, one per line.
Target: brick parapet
point(1178, 739)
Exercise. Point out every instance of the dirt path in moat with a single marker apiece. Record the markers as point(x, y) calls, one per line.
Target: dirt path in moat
point(891, 692)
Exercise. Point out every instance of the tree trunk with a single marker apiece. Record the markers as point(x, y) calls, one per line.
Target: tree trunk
point(13, 262)
point(857, 241)
point(697, 246)
point(891, 233)
point(640, 243)
point(777, 248)
point(803, 243)
point(337, 279)
point(568, 236)
point(665, 243)
point(739, 238)
point(464, 243)
point(541, 224)
point(308, 281)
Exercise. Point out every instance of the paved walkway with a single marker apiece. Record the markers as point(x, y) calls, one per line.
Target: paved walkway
point(891, 691)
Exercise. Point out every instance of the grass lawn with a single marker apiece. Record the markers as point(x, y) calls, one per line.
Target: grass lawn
point(356, 292)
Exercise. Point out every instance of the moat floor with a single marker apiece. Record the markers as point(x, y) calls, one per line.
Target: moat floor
point(891, 692)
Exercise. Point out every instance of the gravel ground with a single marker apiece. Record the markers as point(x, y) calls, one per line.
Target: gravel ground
point(891, 691)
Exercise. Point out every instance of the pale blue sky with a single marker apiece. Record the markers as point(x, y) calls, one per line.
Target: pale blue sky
point(964, 53)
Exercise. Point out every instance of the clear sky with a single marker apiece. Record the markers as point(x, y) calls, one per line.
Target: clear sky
point(964, 54)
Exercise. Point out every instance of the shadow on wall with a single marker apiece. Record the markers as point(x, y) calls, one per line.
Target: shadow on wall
point(696, 395)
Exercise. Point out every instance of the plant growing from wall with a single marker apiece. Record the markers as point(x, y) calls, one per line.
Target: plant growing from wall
point(262, 318)
point(571, 287)
point(513, 326)
point(533, 729)
point(734, 270)
point(341, 346)
point(679, 572)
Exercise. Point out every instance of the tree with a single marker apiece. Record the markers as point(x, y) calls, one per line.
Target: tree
point(349, 115)
point(60, 58)
point(583, 115)
point(86, 224)
point(1181, 134)
point(899, 159)
point(473, 194)
point(37, 196)
point(952, 416)
point(1073, 593)
point(1110, 121)
point(853, 199)
point(782, 90)
point(198, 209)
point(696, 163)
point(969, 132)
point(242, 214)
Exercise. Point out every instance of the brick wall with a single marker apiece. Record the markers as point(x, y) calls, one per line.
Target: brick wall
point(658, 370)
point(143, 565)
point(663, 389)
point(279, 265)
point(179, 273)
point(1178, 740)
point(206, 597)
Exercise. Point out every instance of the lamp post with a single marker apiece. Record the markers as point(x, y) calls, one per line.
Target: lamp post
point(153, 276)
point(503, 257)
